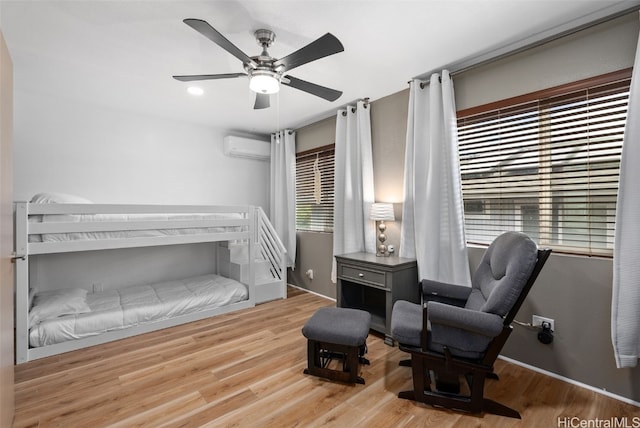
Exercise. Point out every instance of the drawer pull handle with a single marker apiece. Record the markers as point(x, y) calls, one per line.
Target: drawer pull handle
point(361, 275)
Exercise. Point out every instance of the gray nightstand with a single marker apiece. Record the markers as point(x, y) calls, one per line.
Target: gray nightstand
point(373, 284)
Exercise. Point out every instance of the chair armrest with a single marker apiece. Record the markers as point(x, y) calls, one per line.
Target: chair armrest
point(477, 322)
point(442, 292)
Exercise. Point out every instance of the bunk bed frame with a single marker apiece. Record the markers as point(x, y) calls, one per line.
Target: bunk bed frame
point(251, 228)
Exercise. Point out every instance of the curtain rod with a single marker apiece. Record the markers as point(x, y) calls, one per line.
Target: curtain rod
point(487, 57)
point(353, 109)
point(328, 115)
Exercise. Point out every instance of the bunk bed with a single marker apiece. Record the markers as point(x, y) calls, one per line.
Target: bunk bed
point(49, 322)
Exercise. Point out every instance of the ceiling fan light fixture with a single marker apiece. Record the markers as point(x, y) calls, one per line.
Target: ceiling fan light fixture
point(265, 72)
point(264, 82)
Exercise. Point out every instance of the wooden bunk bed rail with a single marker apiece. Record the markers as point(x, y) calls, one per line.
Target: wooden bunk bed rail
point(47, 219)
point(238, 224)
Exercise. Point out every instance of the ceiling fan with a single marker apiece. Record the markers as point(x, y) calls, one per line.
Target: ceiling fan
point(265, 72)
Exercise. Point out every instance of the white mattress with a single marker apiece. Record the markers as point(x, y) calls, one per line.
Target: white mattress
point(126, 307)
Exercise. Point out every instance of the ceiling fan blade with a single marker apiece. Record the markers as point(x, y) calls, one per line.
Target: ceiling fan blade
point(212, 34)
point(324, 46)
point(317, 90)
point(193, 77)
point(262, 101)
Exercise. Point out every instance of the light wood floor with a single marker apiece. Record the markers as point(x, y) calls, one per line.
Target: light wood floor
point(245, 369)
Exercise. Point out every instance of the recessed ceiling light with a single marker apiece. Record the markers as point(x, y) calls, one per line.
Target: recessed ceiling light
point(195, 90)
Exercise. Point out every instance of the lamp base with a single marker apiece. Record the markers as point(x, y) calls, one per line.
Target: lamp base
point(382, 248)
point(382, 251)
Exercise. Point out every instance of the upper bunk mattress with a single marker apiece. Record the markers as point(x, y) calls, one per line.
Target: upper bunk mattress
point(119, 234)
point(126, 307)
point(147, 218)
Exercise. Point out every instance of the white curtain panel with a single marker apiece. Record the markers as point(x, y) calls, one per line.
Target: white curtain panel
point(353, 192)
point(283, 190)
point(625, 304)
point(432, 228)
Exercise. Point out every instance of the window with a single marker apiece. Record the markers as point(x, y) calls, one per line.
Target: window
point(546, 164)
point(314, 212)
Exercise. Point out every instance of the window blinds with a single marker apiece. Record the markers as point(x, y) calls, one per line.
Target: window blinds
point(546, 166)
point(311, 215)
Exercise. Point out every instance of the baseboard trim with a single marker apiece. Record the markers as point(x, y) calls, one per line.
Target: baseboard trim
point(571, 381)
point(312, 292)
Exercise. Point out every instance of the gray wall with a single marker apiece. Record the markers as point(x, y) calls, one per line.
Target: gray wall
point(574, 291)
point(607, 47)
point(314, 250)
point(388, 134)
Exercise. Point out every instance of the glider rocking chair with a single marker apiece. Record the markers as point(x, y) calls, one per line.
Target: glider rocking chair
point(459, 331)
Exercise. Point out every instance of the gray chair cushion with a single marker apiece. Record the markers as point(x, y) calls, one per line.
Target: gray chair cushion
point(341, 326)
point(496, 285)
point(465, 332)
point(476, 300)
point(406, 322)
point(503, 272)
point(451, 294)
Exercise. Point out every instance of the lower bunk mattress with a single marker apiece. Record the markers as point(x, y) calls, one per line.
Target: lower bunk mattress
point(61, 315)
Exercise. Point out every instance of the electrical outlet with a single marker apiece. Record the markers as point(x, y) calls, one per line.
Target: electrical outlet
point(537, 321)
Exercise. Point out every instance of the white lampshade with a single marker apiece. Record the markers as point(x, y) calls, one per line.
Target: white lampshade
point(381, 211)
point(264, 83)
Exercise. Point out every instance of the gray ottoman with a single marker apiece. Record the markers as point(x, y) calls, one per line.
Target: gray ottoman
point(337, 333)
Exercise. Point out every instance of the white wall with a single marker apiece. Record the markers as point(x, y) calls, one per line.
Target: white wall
point(109, 269)
point(115, 156)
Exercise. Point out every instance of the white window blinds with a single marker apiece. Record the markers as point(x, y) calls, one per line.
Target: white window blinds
point(314, 189)
point(546, 164)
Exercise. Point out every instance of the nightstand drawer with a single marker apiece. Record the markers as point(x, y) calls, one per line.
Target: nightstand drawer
point(374, 284)
point(359, 274)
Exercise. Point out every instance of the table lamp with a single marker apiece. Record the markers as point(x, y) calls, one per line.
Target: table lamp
point(382, 212)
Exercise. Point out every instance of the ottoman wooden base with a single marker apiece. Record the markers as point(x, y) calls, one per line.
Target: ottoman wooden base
point(337, 333)
point(320, 353)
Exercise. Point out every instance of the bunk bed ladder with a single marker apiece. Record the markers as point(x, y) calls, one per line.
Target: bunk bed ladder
point(269, 275)
point(270, 252)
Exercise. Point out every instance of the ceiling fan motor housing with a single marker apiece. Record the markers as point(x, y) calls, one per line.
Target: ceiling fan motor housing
point(265, 37)
point(265, 78)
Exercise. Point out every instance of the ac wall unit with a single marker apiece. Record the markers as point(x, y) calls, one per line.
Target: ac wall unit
point(241, 147)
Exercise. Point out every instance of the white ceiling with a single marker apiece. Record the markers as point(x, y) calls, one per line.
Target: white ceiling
point(122, 54)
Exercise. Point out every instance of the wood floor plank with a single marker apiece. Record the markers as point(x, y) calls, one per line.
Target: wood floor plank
point(153, 417)
point(267, 404)
point(245, 369)
point(212, 411)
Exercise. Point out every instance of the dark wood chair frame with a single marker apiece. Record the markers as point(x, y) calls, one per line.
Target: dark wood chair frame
point(474, 371)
